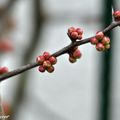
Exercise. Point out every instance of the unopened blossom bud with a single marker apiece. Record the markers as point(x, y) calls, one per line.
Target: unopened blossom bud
point(99, 35)
point(46, 64)
point(50, 69)
point(100, 47)
point(72, 59)
point(46, 55)
point(93, 41)
point(41, 69)
point(106, 40)
point(40, 59)
point(77, 54)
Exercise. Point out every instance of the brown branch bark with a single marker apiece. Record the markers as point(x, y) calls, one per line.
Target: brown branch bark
point(56, 54)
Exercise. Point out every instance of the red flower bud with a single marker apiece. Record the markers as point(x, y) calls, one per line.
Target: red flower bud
point(50, 69)
point(79, 31)
point(40, 59)
point(77, 54)
point(100, 47)
point(46, 55)
point(74, 35)
point(93, 41)
point(41, 69)
point(116, 15)
point(99, 35)
point(53, 60)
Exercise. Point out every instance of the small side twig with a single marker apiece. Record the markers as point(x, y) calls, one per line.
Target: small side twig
point(56, 54)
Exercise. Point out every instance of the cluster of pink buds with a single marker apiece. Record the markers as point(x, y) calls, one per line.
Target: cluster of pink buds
point(74, 54)
point(75, 33)
point(116, 15)
point(46, 62)
point(102, 42)
point(3, 70)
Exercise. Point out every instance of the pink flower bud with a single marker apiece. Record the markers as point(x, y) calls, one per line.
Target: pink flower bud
point(41, 69)
point(46, 55)
point(100, 47)
point(53, 60)
point(93, 41)
point(40, 59)
point(99, 35)
point(74, 35)
point(79, 31)
point(106, 40)
point(77, 54)
point(71, 29)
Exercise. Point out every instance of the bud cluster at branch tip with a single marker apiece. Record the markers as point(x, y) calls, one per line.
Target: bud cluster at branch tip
point(101, 41)
point(46, 62)
point(75, 33)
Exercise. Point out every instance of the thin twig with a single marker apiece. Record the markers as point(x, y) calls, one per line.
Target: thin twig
point(56, 54)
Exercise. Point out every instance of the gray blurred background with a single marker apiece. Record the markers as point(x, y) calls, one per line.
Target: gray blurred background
point(86, 90)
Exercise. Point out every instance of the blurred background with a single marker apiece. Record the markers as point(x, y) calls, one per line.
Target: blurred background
point(86, 90)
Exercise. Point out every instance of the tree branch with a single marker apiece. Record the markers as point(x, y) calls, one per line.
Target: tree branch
point(56, 54)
